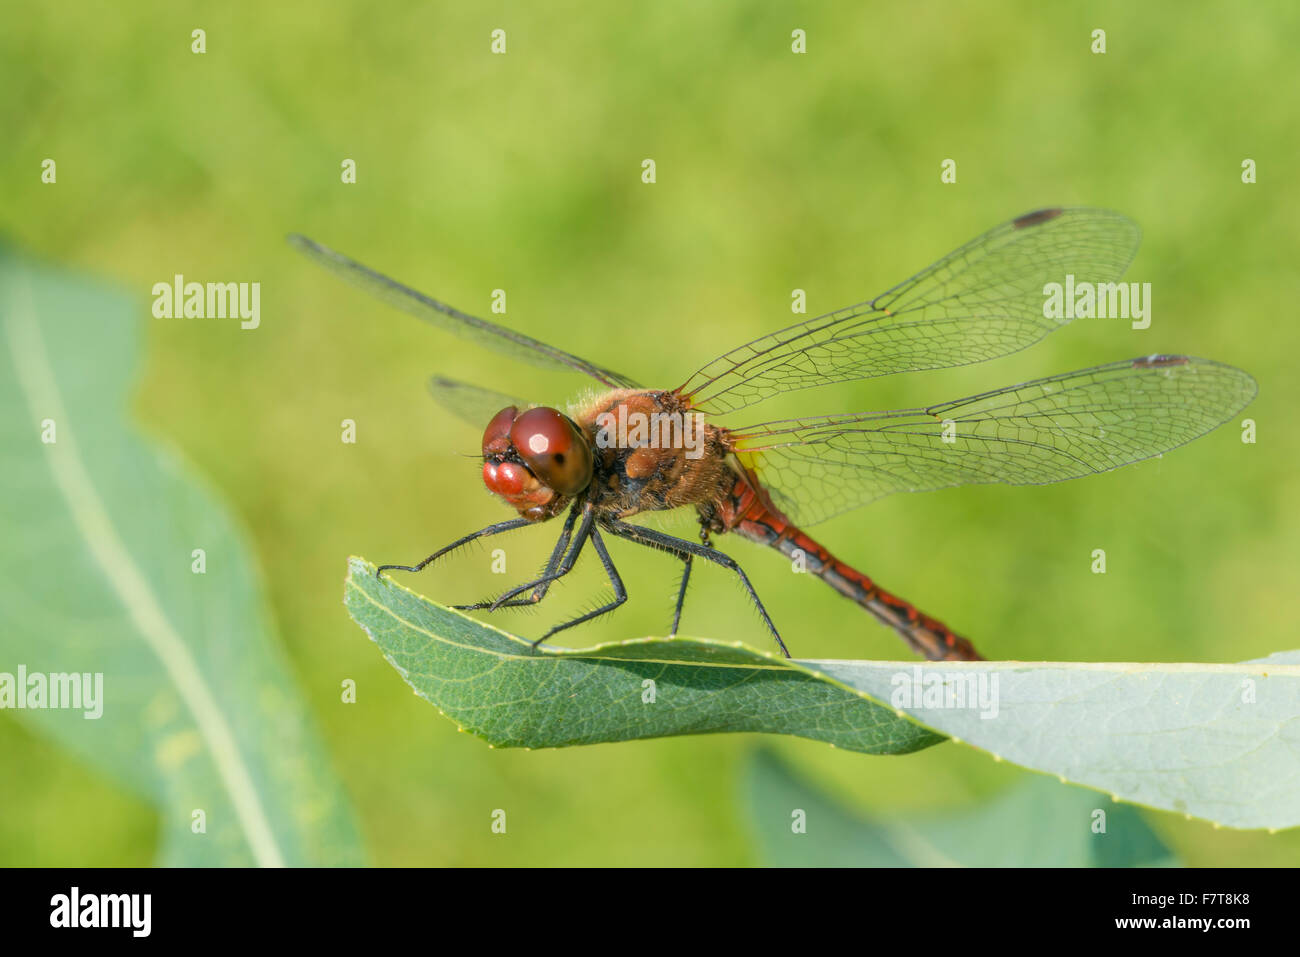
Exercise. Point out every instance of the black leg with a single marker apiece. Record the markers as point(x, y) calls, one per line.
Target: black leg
point(686, 577)
point(620, 593)
point(579, 541)
point(681, 593)
point(680, 546)
point(552, 563)
point(496, 529)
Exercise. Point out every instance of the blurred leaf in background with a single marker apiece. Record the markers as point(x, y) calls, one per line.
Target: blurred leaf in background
point(117, 562)
point(1037, 823)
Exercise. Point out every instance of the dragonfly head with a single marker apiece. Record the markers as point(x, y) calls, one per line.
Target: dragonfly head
point(536, 460)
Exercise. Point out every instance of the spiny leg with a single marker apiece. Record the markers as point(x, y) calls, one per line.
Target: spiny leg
point(681, 593)
point(620, 593)
point(496, 529)
point(579, 541)
point(686, 577)
point(680, 546)
point(540, 591)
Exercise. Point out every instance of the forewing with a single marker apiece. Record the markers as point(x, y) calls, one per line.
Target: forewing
point(502, 340)
point(1048, 430)
point(983, 300)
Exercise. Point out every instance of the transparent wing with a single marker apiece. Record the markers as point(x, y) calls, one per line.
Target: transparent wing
point(983, 300)
point(505, 341)
point(471, 403)
point(1043, 431)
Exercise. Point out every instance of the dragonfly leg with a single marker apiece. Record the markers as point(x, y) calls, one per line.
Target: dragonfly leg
point(681, 593)
point(686, 577)
point(620, 593)
point(496, 529)
point(566, 565)
point(551, 565)
point(680, 546)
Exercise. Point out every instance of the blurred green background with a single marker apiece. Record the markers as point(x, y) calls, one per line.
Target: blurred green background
point(775, 171)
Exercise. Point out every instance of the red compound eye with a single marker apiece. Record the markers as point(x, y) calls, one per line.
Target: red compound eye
point(506, 478)
point(554, 448)
point(496, 437)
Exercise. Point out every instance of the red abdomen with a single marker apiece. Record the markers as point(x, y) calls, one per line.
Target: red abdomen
point(751, 515)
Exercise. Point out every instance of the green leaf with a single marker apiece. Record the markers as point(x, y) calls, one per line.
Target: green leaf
point(1039, 823)
point(199, 712)
point(494, 685)
point(1220, 742)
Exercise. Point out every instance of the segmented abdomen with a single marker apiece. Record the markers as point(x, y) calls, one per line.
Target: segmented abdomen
point(759, 521)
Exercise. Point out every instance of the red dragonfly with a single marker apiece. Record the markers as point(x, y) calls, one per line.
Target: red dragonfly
point(630, 450)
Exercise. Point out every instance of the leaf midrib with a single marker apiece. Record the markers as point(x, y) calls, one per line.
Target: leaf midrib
point(40, 390)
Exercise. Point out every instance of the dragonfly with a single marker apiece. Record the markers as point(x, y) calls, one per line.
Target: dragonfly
point(629, 450)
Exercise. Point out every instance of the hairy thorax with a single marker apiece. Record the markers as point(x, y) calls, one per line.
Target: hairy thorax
point(651, 453)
